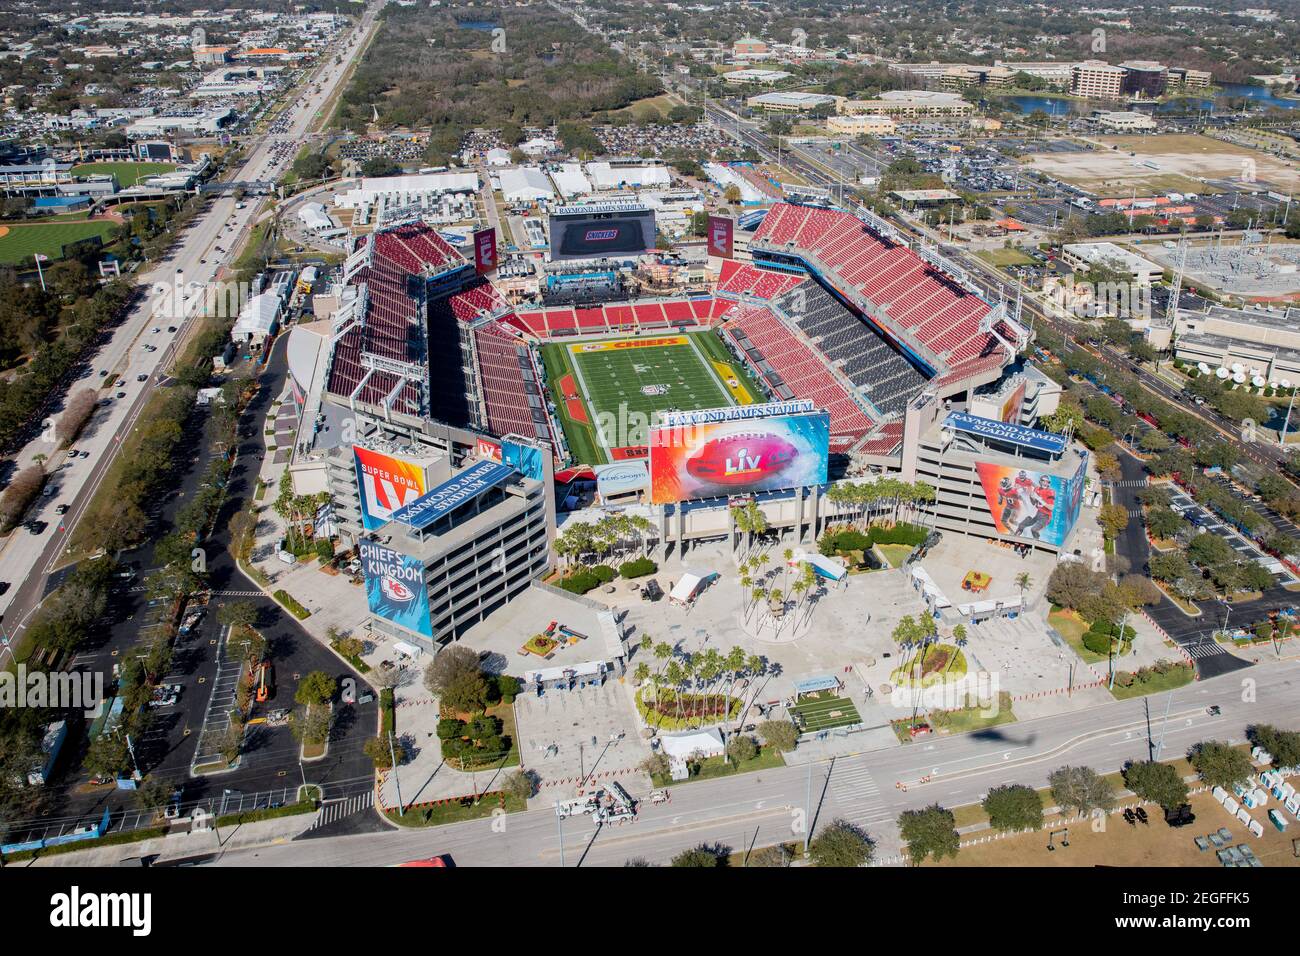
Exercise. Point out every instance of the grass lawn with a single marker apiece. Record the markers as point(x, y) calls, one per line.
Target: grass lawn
point(1178, 676)
point(506, 714)
point(974, 718)
point(21, 242)
point(942, 662)
point(126, 174)
point(456, 811)
point(1005, 257)
point(711, 767)
point(825, 712)
point(1072, 627)
point(895, 554)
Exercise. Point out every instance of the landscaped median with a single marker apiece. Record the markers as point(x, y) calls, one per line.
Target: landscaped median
point(456, 810)
point(289, 603)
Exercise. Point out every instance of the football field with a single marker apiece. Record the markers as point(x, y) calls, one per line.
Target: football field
point(608, 390)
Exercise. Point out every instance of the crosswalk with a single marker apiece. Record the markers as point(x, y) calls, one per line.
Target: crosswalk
point(1204, 649)
point(1130, 483)
point(334, 810)
point(854, 794)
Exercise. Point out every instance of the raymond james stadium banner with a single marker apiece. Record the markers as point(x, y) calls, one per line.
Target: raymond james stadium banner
point(395, 588)
point(1029, 504)
point(386, 483)
point(738, 457)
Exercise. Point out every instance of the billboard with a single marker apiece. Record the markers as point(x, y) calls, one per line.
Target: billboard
point(451, 494)
point(485, 250)
point(1008, 432)
point(1030, 504)
point(395, 587)
point(525, 459)
point(385, 483)
point(738, 457)
point(627, 231)
point(1014, 404)
point(721, 233)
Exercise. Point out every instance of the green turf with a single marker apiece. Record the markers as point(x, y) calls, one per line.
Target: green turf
point(127, 174)
point(825, 712)
point(612, 381)
point(22, 242)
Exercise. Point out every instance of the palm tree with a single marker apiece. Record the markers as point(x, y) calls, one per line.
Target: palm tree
point(675, 674)
point(958, 638)
point(1023, 581)
point(745, 582)
point(788, 555)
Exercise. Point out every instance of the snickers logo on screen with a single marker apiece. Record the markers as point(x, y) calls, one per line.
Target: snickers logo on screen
point(601, 235)
point(720, 236)
point(485, 250)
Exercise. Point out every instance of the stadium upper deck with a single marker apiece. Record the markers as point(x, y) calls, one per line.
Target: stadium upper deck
point(860, 326)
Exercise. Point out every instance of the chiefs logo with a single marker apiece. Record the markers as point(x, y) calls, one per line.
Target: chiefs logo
point(395, 590)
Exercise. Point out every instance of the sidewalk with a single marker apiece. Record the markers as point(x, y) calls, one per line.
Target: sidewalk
point(178, 846)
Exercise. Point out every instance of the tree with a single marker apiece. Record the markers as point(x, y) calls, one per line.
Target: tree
point(448, 665)
point(741, 749)
point(1081, 789)
point(1158, 782)
point(655, 765)
point(1208, 550)
point(1023, 582)
point(1014, 807)
point(1284, 745)
point(929, 832)
point(1072, 582)
point(1219, 764)
point(1113, 519)
point(521, 784)
point(701, 856)
point(378, 750)
point(22, 490)
point(238, 614)
point(75, 415)
point(467, 693)
point(1153, 441)
point(317, 688)
point(107, 756)
point(841, 844)
point(780, 735)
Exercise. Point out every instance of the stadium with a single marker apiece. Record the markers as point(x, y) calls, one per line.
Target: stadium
point(833, 309)
point(872, 338)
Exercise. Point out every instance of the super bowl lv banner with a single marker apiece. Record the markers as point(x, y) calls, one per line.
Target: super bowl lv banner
point(485, 250)
point(721, 235)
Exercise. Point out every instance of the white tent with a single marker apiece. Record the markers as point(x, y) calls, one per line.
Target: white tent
point(679, 748)
point(688, 588)
point(525, 184)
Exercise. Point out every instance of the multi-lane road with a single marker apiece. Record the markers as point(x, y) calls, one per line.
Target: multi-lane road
point(161, 320)
point(870, 788)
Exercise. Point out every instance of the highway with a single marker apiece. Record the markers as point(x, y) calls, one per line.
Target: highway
point(162, 321)
point(769, 806)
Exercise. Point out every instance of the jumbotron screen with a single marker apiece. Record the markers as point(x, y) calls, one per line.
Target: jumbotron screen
point(601, 231)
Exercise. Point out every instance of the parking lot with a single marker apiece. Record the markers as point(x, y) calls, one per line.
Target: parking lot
point(1207, 521)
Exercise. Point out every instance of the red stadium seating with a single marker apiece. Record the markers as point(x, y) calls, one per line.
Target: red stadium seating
point(926, 308)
